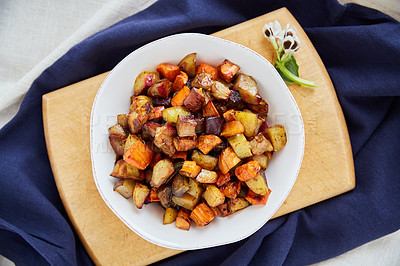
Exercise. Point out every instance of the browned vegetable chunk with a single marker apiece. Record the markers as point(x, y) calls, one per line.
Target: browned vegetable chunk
point(170, 215)
point(277, 135)
point(171, 114)
point(140, 194)
point(210, 110)
point(125, 187)
point(262, 159)
point(207, 176)
point(157, 114)
point(247, 171)
point(206, 68)
point(139, 155)
point(182, 219)
point(164, 139)
point(141, 115)
point(240, 145)
point(164, 193)
point(118, 146)
point(149, 129)
point(222, 178)
point(188, 64)
point(162, 172)
point(186, 201)
point(221, 210)
point(259, 144)
point(124, 170)
point(213, 196)
point(185, 143)
point(258, 185)
point(237, 204)
point(190, 169)
point(194, 101)
point(180, 155)
point(207, 162)
point(213, 125)
point(161, 88)
point(202, 214)
point(180, 185)
point(220, 91)
point(208, 142)
point(152, 197)
point(229, 115)
point(227, 70)
point(261, 108)
point(180, 97)
point(250, 122)
point(122, 119)
point(143, 81)
point(161, 101)
point(227, 160)
point(247, 87)
point(186, 126)
point(232, 128)
point(202, 80)
point(180, 81)
point(231, 189)
point(257, 199)
point(138, 101)
point(117, 132)
point(168, 71)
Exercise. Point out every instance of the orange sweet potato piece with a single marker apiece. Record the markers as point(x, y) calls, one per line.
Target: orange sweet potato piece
point(229, 115)
point(206, 68)
point(247, 171)
point(152, 197)
point(168, 71)
point(139, 155)
point(257, 199)
point(180, 155)
point(227, 70)
point(227, 160)
point(178, 99)
point(202, 214)
point(208, 142)
point(183, 219)
point(185, 143)
point(232, 128)
point(222, 178)
point(180, 81)
point(190, 169)
point(210, 110)
point(157, 113)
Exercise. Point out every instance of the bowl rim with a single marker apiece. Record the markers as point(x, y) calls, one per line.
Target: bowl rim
point(149, 237)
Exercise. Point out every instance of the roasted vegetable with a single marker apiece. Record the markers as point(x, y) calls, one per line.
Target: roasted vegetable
point(222, 178)
point(247, 171)
point(180, 81)
point(234, 100)
point(170, 215)
point(208, 142)
point(221, 210)
point(227, 160)
point(180, 97)
point(188, 64)
point(213, 196)
point(168, 71)
point(152, 197)
point(164, 139)
point(122, 119)
point(258, 185)
point(232, 128)
point(157, 114)
point(256, 199)
point(171, 114)
point(262, 159)
point(117, 145)
point(195, 99)
point(182, 219)
point(161, 101)
point(259, 144)
point(164, 193)
point(227, 70)
point(213, 125)
point(139, 155)
point(186, 201)
point(210, 110)
point(207, 176)
point(207, 162)
point(117, 132)
point(202, 214)
point(145, 80)
point(229, 115)
point(162, 171)
point(180, 155)
point(140, 193)
point(129, 141)
point(220, 91)
point(190, 169)
point(180, 185)
point(247, 87)
point(185, 143)
point(124, 170)
point(240, 145)
point(202, 80)
point(149, 129)
point(237, 204)
point(186, 126)
point(161, 88)
point(231, 189)
point(277, 135)
point(206, 68)
point(125, 187)
point(249, 121)
point(139, 101)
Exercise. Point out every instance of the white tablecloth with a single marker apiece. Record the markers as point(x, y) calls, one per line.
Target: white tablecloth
point(35, 33)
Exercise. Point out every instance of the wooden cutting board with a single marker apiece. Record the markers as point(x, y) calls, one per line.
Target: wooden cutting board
point(327, 168)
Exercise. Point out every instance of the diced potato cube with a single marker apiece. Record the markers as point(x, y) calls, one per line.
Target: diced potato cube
point(164, 193)
point(144, 81)
point(258, 185)
point(118, 146)
point(186, 126)
point(247, 171)
point(206, 176)
point(124, 170)
point(188, 64)
point(140, 194)
point(161, 88)
point(186, 201)
point(182, 219)
point(227, 160)
point(262, 159)
point(231, 189)
point(139, 155)
point(190, 169)
point(277, 135)
point(259, 144)
point(249, 121)
point(139, 101)
point(117, 132)
point(237, 204)
point(161, 172)
point(247, 87)
point(149, 129)
point(257, 199)
point(202, 214)
point(227, 70)
point(205, 161)
point(122, 119)
point(125, 187)
point(171, 114)
point(213, 196)
point(170, 215)
point(240, 145)
point(180, 185)
point(195, 188)
point(220, 91)
point(164, 139)
point(208, 142)
point(232, 128)
point(202, 80)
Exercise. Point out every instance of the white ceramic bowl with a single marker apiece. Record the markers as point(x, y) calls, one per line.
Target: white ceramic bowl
point(113, 98)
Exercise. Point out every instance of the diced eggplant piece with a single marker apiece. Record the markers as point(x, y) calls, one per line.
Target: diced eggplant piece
point(207, 176)
point(240, 145)
point(194, 101)
point(122, 119)
point(164, 193)
point(213, 196)
point(213, 125)
point(247, 171)
point(234, 100)
point(162, 171)
point(247, 87)
point(171, 114)
point(180, 81)
point(168, 71)
point(183, 220)
point(186, 126)
point(208, 142)
point(161, 88)
point(210, 110)
point(221, 107)
point(190, 169)
point(125, 187)
point(227, 70)
point(257, 199)
point(277, 135)
point(207, 162)
point(139, 155)
point(140, 194)
point(164, 139)
point(170, 215)
point(231, 189)
point(118, 146)
point(180, 185)
point(143, 81)
point(188, 64)
point(124, 170)
point(202, 214)
point(185, 143)
point(117, 132)
point(220, 91)
point(161, 101)
point(202, 80)
point(206, 68)
point(237, 204)
point(260, 144)
point(227, 160)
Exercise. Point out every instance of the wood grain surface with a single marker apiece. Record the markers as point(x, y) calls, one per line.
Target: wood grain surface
point(327, 169)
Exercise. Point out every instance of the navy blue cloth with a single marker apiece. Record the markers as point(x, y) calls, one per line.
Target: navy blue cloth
point(360, 48)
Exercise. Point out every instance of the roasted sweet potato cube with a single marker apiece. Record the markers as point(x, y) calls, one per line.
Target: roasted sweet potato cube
point(207, 176)
point(195, 99)
point(140, 194)
point(208, 142)
point(125, 187)
point(188, 64)
point(213, 196)
point(144, 81)
point(260, 144)
point(124, 170)
point(180, 155)
point(186, 126)
point(227, 70)
point(258, 185)
point(231, 189)
point(138, 101)
point(222, 178)
point(122, 119)
point(202, 214)
point(213, 125)
point(161, 88)
point(190, 169)
point(186, 201)
point(202, 80)
point(206, 68)
point(240, 145)
point(227, 160)
point(129, 141)
point(162, 172)
point(277, 135)
point(256, 199)
point(168, 71)
point(247, 171)
point(117, 145)
point(180, 97)
point(152, 197)
point(170, 215)
point(139, 155)
point(180, 81)
point(220, 91)
point(117, 132)
point(229, 115)
point(207, 162)
point(164, 139)
point(182, 219)
point(237, 204)
point(232, 128)
point(185, 143)
point(221, 210)
point(157, 114)
point(210, 110)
